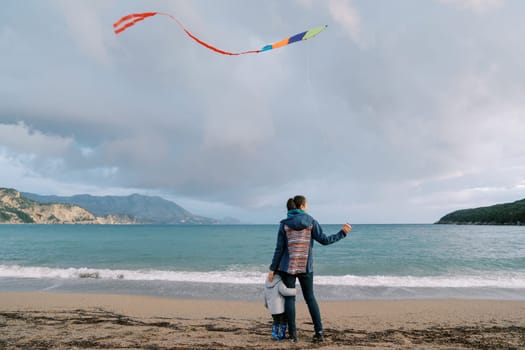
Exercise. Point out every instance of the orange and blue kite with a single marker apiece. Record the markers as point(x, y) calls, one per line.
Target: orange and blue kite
point(131, 19)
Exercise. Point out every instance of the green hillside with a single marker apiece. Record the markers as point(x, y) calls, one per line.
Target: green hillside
point(499, 214)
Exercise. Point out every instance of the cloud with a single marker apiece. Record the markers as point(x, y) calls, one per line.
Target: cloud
point(19, 172)
point(7, 37)
point(477, 6)
point(382, 133)
point(483, 124)
point(21, 139)
point(342, 12)
point(86, 27)
point(37, 154)
point(347, 16)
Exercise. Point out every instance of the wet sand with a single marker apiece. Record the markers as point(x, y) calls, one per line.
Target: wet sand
point(79, 321)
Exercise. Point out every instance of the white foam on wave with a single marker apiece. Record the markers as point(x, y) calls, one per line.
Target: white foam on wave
point(481, 280)
point(16, 271)
point(500, 280)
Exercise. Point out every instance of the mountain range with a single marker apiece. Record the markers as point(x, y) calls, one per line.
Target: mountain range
point(17, 209)
point(134, 208)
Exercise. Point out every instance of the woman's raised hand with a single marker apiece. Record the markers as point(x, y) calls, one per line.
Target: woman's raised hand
point(346, 228)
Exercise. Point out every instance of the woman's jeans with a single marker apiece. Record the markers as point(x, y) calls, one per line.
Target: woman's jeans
point(306, 280)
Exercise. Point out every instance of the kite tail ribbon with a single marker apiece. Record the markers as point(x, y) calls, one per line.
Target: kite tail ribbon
point(131, 19)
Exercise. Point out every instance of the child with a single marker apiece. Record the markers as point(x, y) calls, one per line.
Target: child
point(274, 294)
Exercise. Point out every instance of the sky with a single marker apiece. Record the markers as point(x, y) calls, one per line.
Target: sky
point(399, 112)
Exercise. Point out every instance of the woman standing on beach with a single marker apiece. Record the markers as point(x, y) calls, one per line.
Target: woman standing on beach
point(292, 259)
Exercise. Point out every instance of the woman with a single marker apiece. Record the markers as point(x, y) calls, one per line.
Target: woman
point(292, 259)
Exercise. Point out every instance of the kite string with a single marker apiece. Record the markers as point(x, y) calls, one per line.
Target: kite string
point(313, 97)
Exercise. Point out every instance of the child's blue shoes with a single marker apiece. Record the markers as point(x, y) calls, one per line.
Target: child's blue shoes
point(282, 332)
point(275, 332)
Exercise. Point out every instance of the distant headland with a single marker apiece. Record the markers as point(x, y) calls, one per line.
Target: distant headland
point(499, 214)
point(20, 207)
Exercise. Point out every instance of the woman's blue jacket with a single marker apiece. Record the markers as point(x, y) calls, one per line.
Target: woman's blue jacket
point(299, 220)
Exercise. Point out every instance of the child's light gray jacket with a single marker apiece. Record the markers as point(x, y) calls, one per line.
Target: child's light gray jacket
point(274, 294)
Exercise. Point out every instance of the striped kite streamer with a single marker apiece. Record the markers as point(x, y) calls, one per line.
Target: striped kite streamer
point(131, 19)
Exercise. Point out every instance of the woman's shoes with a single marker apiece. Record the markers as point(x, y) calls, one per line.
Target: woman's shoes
point(318, 338)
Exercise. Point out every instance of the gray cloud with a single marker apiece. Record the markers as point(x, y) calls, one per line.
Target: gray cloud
point(387, 116)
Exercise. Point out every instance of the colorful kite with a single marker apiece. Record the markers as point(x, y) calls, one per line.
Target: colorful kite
point(130, 20)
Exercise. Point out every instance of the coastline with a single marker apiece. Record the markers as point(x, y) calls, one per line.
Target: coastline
point(48, 320)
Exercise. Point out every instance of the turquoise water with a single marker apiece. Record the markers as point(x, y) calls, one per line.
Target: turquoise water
point(373, 262)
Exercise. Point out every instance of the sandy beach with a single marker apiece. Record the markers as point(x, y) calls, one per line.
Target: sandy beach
point(79, 321)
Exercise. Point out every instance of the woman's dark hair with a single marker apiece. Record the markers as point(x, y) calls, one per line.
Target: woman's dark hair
point(295, 202)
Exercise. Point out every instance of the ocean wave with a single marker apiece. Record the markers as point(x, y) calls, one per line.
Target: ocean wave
point(490, 279)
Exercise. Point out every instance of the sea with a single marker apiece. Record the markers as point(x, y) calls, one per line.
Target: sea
point(230, 262)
